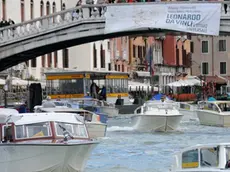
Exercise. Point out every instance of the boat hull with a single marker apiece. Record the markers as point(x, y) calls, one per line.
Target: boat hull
point(110, 111)
point(44, 157)
point(96, 130)
point(156, 122)
point(213, 119)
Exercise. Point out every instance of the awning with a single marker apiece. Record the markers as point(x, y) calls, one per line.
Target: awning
point(143, 74)
point(134, 86)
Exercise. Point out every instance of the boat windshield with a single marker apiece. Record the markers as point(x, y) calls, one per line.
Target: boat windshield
point(225, 106)
point(33, 130)
point(160, 105)
point(209, 157)
point(77, 130)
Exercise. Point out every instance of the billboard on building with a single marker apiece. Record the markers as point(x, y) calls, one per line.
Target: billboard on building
point(198, 18)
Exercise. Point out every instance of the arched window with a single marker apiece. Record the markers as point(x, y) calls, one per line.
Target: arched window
point(49, 60)
point(55, 59)
point(65, 58)
point(102, 55)
point(48, 8)
point(22, 10)
point(41, 8)
point(94, 56)
point(4, 9)
point(54, 7)
point(31, 9)
point(63, 6)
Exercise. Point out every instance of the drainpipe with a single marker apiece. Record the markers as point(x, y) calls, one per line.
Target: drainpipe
point(212, 56)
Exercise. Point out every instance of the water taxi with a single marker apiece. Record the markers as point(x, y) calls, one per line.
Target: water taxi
point(214, 113)
point(43, 142)
point(203, 158)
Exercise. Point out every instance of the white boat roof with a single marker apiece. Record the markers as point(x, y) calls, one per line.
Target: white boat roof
point(6, 112)
point(203, 146)
point(64, 109)
point(217, 101)
point(30, 118)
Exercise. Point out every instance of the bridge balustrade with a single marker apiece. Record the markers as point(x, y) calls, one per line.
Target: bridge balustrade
point(50, 22)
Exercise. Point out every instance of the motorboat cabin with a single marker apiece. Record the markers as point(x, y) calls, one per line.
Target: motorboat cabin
point(214, 113)
point(96, 128)
point(205, 158)
point(56, 141)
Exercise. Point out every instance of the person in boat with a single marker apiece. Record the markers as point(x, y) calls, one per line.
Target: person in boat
point(94, 89)
point(58, 98)
point(103, 93)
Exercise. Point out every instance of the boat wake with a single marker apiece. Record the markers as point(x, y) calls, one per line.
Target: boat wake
point(118, 128)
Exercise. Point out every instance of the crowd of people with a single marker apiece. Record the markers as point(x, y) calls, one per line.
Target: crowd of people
point(5, 23)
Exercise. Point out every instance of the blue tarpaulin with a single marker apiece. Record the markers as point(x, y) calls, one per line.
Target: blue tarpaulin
point(211, 99)
point(159, 96)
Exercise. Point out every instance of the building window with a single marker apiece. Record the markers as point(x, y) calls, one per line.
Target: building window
point(102, 54)
point(108, 45)
point(223, 68)
point(47, 8)
point(134, 51)
point(123, 68)
point(139, 52)
point(55, 59)
point(65, 58)
point(222, 45)
point(41, 8)
point(192, 47)
point(34, 62)
point(54, 7)
point(63, 6)
point(94, 56)
point(119, 68)
point(31, 9)
point(43, 60)
point(109, 66)
point(115, 67)
point(204, 68)
point(49, 59)
point(22, 11)
point(204, 46)
point(4, 9)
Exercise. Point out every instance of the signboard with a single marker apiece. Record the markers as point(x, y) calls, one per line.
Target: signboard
point(198, 18)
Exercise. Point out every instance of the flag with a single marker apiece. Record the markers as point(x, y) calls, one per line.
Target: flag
point(149, 61)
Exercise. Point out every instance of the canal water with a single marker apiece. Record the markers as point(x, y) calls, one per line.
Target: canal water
point(126, 150)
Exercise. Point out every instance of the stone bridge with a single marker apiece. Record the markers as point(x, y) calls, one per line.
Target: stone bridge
point(30, 39)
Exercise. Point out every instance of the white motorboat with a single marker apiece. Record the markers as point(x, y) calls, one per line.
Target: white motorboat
point(97, 105)
point(95, 127)
point(44, 142)
point(203, 158)
point(214, 113)
point(157, 116)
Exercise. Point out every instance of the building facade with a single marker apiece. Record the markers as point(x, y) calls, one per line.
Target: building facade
point(92, 56)
point(119, 53)
point(210, 58)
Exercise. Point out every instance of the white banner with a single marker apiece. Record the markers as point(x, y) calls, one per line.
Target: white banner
point(199, 18)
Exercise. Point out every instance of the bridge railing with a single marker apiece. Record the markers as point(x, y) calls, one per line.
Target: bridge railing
point(50, 22)
point(17, 32)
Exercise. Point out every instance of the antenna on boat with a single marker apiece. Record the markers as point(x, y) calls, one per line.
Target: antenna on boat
point(8, 119)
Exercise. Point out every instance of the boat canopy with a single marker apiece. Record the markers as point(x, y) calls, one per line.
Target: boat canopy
point(8, 115)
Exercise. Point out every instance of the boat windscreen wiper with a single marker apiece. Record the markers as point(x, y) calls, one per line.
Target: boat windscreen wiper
point(66, 133)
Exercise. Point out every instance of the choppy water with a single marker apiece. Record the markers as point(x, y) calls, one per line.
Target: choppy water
point(125, 150)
